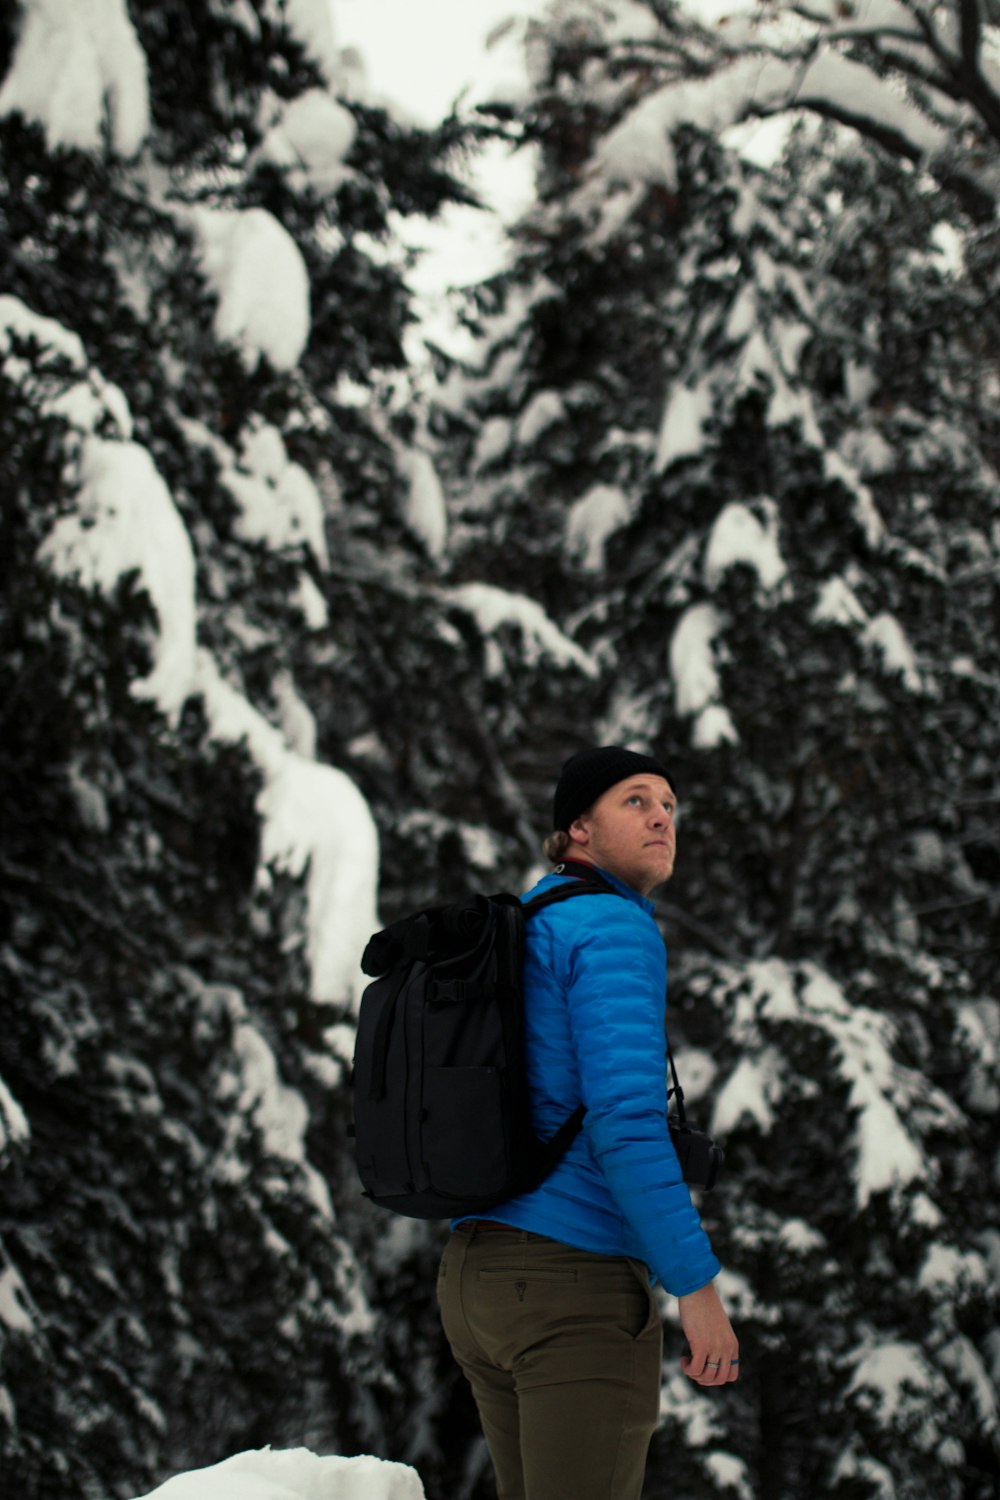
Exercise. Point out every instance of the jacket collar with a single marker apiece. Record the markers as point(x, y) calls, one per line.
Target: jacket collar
point(578, 869)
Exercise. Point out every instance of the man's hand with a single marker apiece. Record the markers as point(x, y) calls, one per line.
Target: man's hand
point(715, 1354)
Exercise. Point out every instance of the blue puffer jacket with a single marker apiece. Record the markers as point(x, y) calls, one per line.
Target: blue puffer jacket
point(595, 986)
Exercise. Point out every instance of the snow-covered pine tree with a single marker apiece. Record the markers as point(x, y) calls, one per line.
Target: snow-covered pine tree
point(208, 500)
point(735, 426)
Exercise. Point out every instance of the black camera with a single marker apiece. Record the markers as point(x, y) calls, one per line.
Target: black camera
point(699, 1156)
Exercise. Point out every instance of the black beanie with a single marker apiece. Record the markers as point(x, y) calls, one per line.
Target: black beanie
point(589, 773)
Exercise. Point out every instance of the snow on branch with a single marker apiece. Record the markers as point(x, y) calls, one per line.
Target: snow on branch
point(682, 430)
point(697, 689)
point(844, 90)
point(884, 1096)
point(15, 1302)
point(13, 1121)
point(308, 138)
point(493, 608)
point(639, 147)
point(258, 274)
point(126, 522)
point(863, 18)
point(279, 503)
point(893, 1378)
point(738, 535)
point(593, 519)
point(19, 324)
point(76, 67)
point(280, 1113)
point(316, 824)
point(424, 507)
point(845, 62)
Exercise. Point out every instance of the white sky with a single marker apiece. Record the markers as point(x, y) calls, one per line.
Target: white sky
point(421, 55)
point(425, 52)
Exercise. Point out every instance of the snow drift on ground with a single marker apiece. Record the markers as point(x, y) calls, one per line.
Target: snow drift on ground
point(293, 1474)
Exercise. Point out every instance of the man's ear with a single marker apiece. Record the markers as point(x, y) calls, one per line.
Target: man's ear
point(579, 832)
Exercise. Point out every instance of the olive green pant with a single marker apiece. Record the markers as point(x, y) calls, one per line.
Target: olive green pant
point(562, 1349)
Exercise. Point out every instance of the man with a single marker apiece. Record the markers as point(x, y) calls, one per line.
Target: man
point(546, 1300)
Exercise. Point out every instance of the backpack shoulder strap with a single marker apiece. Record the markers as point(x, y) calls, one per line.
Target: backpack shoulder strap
point(553, 1151)
point(575, 887)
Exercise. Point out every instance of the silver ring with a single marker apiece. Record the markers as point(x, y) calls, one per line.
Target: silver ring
point(712, 1364)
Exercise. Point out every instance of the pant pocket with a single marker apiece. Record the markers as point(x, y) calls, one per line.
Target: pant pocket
point(647, 1313)
point(447, 1256)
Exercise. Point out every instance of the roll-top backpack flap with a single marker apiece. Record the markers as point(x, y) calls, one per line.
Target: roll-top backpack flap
point(406, 939)
point(381, 1082)
point(466, 1135)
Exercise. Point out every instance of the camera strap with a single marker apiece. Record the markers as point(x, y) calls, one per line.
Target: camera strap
point(676, 1093)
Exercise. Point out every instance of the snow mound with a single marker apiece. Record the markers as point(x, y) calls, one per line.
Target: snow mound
point(293, 1474)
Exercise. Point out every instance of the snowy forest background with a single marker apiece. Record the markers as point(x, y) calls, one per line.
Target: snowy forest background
point(297, 626)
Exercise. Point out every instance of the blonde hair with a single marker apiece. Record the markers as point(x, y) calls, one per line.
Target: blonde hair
point(556, 844)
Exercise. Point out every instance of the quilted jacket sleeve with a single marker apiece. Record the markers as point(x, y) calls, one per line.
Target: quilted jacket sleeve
point(615, 981)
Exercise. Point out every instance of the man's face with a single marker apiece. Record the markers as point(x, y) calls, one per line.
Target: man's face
point(630, 832)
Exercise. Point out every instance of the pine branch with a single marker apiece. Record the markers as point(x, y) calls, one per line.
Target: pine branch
point(933, 908)
point(687, 65)
point(17, 877)
point(964, 69)
point(971, 31)
point(928, 30)
point(853, 33)
point(700, 930)
point(792, 864)
point(977, 199)
point(911, 68)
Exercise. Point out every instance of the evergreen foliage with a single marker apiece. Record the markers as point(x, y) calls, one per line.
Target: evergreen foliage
point(722, 480)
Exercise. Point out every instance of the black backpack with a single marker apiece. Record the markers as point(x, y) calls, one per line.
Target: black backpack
point(442, 1118)
point(442, 1123)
